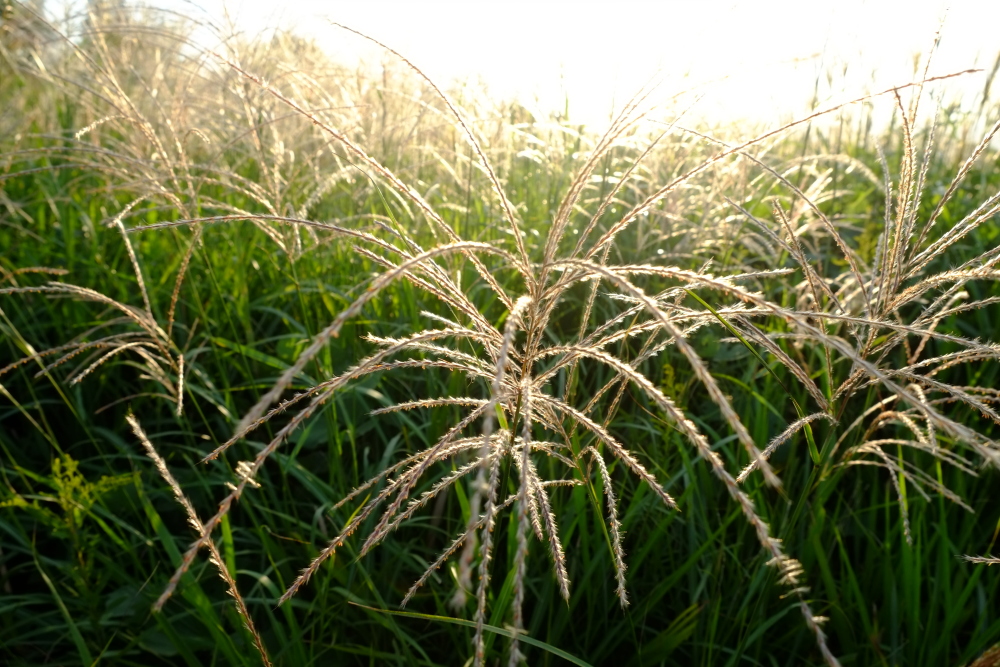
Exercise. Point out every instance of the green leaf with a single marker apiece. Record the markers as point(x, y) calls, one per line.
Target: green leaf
point(491, 628)
point(74, 632)
point(813, 450)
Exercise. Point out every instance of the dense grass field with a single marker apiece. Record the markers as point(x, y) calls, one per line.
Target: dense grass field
point(586, 361)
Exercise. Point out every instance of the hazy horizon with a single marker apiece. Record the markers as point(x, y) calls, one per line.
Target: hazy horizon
point(768, 60)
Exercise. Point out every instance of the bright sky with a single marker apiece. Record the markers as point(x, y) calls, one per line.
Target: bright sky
point(599, 53)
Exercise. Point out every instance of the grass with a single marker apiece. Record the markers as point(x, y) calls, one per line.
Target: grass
point(218, 267)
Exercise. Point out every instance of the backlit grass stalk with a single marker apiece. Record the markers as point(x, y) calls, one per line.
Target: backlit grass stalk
point(216, 557)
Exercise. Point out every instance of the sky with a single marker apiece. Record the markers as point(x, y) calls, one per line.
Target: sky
point(597, 54)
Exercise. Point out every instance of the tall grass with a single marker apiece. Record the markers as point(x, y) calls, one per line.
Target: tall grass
point(715, 378)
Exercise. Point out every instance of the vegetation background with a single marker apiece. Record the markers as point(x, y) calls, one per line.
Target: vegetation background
point(116, 120)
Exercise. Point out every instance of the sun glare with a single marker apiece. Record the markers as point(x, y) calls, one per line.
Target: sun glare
point(754, 61)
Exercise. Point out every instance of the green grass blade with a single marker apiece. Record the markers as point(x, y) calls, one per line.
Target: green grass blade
point(503, 632)
point(813, 449)
point(74, 632)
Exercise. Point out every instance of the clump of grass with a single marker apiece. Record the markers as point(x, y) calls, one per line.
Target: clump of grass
point(854, 317)
point(542, 397)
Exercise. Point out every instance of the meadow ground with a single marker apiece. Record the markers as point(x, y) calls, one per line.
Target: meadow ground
point(725, 397)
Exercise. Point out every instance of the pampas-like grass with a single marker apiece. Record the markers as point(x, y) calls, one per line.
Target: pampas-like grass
point(519, 363)
point(860, 320)
point(214, 556)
